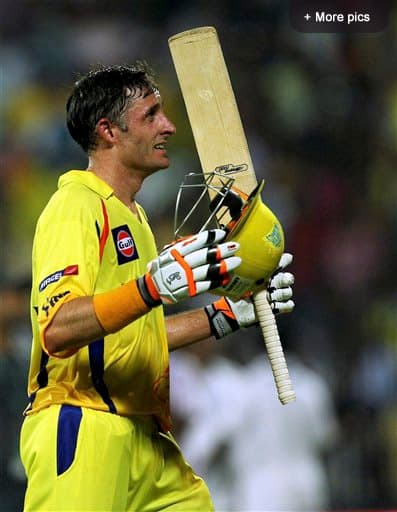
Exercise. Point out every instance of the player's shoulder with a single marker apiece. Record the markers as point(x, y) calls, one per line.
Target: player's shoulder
point(83, 183)
point(78, 195)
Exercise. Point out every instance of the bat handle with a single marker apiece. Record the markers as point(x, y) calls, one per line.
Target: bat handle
point(274, 348)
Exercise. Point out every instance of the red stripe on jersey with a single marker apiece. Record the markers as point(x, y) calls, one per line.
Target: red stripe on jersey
point(105, 231)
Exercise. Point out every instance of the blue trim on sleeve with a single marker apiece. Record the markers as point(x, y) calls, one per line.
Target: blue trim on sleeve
point(68, 430)
point(97, 364)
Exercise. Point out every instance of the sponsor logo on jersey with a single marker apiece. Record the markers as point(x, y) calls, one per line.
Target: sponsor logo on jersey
point(71, 270)
point(51, 301)
point(125, 245)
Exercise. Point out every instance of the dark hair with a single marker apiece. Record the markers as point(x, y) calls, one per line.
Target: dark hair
point(104, 92)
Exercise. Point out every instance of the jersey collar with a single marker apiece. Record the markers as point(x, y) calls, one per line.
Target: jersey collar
point(87, 178)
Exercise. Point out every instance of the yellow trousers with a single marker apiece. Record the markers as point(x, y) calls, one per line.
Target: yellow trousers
point(79, 459)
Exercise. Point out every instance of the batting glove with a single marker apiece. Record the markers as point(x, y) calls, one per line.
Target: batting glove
point(279, 291)
point(189, 267)
point(226, 316)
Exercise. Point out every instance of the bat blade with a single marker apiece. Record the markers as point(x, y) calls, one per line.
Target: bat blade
point(222, 145)
point(211, 106)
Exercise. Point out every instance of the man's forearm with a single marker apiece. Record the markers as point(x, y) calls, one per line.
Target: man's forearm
point(74, 325)
point(85, 319)
point(187, 328)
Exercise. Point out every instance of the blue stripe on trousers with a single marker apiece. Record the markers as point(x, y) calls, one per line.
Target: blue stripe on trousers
point(68, 430)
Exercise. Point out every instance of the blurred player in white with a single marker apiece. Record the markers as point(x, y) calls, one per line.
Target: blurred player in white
point(271, 455)
point(282, 469)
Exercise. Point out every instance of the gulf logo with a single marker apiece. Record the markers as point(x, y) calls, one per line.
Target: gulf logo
point(124, 243)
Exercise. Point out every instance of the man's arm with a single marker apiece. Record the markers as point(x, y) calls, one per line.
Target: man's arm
point(224, 316)
point(187, 328)
point(183, 269)
point(76, 325)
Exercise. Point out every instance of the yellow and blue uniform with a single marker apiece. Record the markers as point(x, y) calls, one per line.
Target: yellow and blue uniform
point(114, 392)
point(88, 242)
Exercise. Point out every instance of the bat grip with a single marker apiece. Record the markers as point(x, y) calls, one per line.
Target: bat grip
point(274, 348)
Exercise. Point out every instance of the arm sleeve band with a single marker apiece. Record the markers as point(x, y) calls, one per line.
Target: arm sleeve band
point(119, 307)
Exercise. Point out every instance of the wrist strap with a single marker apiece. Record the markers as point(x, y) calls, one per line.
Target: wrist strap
point(221, 319)
point(148, 291)
point(119, 307)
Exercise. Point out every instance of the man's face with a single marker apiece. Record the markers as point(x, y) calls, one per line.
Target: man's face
point(142, 145)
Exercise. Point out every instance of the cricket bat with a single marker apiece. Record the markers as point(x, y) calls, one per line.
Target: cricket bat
point(222, 146)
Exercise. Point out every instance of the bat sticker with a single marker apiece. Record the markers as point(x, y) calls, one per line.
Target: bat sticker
point(231, 168)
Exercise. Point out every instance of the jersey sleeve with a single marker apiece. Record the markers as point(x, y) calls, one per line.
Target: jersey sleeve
point(66, 256)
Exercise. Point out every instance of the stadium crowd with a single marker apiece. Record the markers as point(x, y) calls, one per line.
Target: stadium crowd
point(320, 112)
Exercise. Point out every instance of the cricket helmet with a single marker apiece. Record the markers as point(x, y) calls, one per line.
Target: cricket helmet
point(247, 221)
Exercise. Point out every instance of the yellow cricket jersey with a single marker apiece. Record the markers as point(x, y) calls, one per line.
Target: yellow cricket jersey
point(86, 242)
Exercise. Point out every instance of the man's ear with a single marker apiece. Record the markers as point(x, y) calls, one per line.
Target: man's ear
point(105, 130)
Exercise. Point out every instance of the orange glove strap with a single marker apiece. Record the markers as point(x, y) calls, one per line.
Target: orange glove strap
point(223, 306)
point(119, 307)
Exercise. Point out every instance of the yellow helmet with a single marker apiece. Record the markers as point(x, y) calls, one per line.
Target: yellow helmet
point(261, 239)
point(248, 221)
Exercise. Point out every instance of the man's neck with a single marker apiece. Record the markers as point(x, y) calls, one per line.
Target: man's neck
point(124, 182)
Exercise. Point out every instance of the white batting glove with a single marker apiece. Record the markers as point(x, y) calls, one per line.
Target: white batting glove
point(226, 316)
point(189, 267)
point(279, 291)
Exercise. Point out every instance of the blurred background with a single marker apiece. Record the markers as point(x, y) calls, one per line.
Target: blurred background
point(320, 113)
